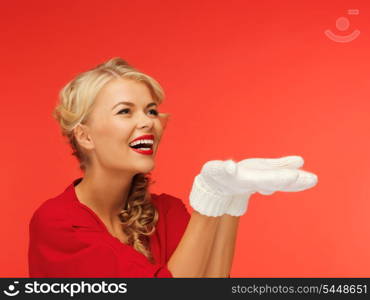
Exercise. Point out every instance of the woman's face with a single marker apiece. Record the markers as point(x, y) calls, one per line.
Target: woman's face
point(113, 125)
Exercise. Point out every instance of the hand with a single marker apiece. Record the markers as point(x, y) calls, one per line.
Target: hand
point(265, 173)
point(225, 186)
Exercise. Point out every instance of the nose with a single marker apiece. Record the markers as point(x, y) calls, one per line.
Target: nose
point(145, 121)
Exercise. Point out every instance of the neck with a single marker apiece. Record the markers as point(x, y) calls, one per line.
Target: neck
point(105, 193)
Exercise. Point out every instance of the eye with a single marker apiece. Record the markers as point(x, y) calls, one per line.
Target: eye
point(155, 112)
point(126, 109)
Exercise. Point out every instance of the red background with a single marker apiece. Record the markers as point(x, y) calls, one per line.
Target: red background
point(243, 79)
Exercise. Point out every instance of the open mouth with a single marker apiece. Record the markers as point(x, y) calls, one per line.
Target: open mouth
point(143, 145)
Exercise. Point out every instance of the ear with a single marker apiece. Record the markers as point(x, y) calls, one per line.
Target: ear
point(83, 137)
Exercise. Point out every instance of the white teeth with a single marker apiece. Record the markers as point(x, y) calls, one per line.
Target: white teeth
point(142, 142)
point(144, 149)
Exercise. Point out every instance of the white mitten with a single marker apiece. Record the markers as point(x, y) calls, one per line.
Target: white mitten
point(262, 169)
point(225, 186)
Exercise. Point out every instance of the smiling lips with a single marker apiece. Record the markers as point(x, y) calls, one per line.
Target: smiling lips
point(144, 137)
point(143, 144)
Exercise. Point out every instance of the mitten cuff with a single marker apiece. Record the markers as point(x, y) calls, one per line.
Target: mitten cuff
point(207, 201)
point(238, 205)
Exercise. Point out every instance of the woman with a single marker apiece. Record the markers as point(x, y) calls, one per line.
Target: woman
point(108, 224)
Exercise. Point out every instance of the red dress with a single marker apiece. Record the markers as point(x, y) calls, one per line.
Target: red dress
point(67, 239)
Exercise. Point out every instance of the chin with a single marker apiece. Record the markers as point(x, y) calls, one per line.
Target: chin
point(145, 167)
point(150, 169)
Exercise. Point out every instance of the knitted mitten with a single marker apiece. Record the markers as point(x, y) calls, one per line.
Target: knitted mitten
point(226, 186)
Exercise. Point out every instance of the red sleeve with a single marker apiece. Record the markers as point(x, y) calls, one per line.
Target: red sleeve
point(58, 249)
point(177, 219)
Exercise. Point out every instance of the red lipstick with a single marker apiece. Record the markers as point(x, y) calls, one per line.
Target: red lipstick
point(144, 137)
point(146, 152)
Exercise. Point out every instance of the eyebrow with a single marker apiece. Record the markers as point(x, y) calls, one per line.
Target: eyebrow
point(132, 104)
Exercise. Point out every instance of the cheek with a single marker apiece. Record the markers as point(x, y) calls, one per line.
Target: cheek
point(159, 130)
point(111, 136)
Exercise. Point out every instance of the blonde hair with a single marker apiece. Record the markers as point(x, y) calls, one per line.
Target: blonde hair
point(76, 100)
